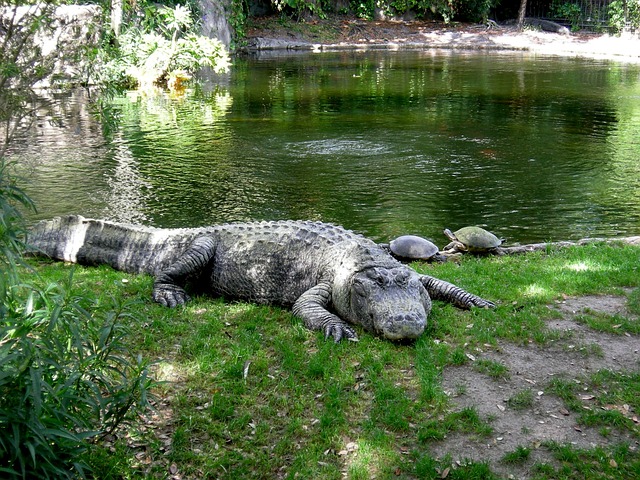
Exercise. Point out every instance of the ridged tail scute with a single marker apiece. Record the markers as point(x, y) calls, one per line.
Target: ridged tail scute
point(59, 238)
point(127, 248)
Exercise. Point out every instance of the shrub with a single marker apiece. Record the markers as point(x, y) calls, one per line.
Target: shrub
point(66, 373)
point(12, 230)
point(475, 10)
point(568, 11)
point(66, 376)
point(623, 14)
point(151, 57)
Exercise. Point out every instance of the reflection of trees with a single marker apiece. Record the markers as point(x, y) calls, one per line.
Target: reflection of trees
point(620, 193)
point(387, 144)
point(61, 155)
point(182, 150)
point(453, 139)
point(125, 200)
point(37, 41)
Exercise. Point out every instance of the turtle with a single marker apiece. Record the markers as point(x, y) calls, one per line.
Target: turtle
point(411, 248)
point(473, 240)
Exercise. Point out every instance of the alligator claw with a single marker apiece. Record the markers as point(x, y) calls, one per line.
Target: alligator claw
point(350, 335)
point(338, 332)
point(482, 303)
point(169, 295)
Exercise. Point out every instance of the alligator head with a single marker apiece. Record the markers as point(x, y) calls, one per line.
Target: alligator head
point(391, 302)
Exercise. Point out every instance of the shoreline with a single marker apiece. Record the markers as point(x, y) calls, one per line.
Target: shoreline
point(359, 35)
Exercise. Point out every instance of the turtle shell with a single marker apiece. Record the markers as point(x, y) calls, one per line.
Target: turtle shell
point(413, 247)
point(477, 239)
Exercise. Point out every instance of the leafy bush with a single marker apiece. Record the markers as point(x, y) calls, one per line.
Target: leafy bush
point(66, 373)
point(145, 58)
point(623, 14)
point(364, 8)
point(238, 20)
point(571, 12)
point(447, 9)
point(12, 231)
point(475, 10)
point(66, 376)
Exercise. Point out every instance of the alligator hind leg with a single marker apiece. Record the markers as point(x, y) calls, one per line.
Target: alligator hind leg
point(448, 292)
point(168, 287)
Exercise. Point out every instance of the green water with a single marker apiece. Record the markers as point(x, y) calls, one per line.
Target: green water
point(384, 143)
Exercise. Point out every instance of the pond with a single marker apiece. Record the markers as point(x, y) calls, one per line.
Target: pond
point(385, 143)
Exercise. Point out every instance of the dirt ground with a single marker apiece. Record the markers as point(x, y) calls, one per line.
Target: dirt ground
point(579, 353)
point(339, 33)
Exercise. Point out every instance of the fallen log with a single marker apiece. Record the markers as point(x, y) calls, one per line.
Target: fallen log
point(544, 25)
point(543, 246)
point(533, 247)
point(452, 255)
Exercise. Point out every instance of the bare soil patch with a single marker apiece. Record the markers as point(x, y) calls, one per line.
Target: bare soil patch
point(576, 353)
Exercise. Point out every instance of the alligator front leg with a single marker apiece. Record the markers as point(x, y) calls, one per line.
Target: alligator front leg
point(312, 305)
point(448, 292)
point(168, 285)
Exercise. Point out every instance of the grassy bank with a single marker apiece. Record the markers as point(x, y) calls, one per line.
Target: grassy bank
point(250, 393)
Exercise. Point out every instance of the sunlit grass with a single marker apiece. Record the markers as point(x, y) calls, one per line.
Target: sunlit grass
point(535, 290)
point(251, 393)
point(579, 267)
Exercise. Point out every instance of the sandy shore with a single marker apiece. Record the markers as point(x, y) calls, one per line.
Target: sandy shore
point(358, 34)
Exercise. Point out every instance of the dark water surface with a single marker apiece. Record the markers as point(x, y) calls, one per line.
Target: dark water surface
point(384, 143)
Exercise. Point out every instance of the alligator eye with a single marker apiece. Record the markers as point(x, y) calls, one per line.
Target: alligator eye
point(402, 278)
point(377, 277)
point(358, 287)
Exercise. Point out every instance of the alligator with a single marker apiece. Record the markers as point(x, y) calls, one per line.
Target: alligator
point(328, 276)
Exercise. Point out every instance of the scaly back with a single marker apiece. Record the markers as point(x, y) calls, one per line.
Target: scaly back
point(138, 249)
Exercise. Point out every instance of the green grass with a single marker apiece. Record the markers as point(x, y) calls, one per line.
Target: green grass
point(466, 420)
point(519, 455)
point(521, 400)
point(614, 324)
point(619, 462)
point(492, 368)
point(605, 399)
point(633, 302)
point(251, 393)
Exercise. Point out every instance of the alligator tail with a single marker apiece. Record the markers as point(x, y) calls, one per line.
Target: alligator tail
point(128, 248)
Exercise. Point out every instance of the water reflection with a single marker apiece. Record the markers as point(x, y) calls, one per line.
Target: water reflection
point(385, 143)
point(61, 157)
point(125, 201)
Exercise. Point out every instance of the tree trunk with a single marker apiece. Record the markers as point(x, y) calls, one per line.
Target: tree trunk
point(116, 16)
point(521, 13)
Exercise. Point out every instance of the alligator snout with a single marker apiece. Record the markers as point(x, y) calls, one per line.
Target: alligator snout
point(404, 326)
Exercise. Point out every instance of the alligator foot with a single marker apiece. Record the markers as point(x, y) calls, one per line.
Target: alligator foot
point(339, 330)
point(448, 292)
point(312, 308)
point(169, 294)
